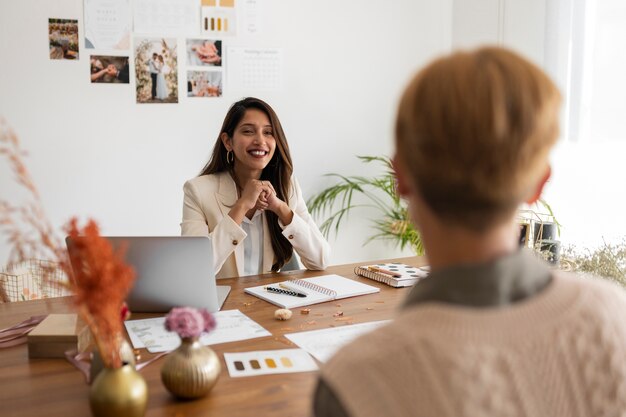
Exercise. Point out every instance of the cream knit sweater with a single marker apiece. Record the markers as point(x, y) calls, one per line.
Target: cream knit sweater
point(560, 353)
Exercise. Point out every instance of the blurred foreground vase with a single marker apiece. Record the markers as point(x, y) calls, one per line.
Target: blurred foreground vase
point(120, 392)
point(126, 353)
point(191, 370)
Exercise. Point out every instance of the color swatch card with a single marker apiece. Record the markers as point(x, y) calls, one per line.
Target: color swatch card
point(264, 362)
point(303, 292)
point(219, 17)
point(232, 325)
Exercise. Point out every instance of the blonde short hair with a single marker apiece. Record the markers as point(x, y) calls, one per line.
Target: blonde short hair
point(474, 130)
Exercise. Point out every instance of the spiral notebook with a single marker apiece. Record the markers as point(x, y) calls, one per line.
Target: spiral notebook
point(393, 274)
point(317, 290)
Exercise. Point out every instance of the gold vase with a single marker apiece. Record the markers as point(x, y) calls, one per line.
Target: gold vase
point(126, 353)
point(191, 370)
point(120, 392)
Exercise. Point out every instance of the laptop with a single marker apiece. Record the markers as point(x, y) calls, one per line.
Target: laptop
point(172, 271)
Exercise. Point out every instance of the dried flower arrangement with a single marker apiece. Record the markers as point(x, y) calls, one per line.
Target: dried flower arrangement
point(99, 278)
point(607, 261)
point(38, 240)
point(189, 322)
point(101, 282)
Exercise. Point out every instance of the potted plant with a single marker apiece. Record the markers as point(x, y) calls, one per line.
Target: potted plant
point(356, 192)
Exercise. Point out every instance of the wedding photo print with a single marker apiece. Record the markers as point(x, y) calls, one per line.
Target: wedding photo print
point(63, 38)
point(204, 52)
point(156, 70)
point(109, 69)
point(204, 84)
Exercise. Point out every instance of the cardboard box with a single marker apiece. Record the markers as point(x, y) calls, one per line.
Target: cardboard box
point(57, 334)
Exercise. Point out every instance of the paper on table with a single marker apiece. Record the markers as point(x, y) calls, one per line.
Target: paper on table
point(232, 325)
point(263, 362)
point(323, 344)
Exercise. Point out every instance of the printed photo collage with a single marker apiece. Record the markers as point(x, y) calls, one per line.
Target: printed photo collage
point(117, 41)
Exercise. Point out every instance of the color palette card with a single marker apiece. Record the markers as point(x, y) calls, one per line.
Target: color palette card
point(264, 362)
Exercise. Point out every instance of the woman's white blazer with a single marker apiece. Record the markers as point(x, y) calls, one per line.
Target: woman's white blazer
point(209, 198)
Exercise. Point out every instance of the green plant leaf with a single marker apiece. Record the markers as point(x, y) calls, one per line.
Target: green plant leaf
point(337, 201)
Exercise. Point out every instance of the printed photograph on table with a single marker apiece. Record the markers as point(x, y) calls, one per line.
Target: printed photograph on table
point(109, 69)
point(107, 24)
point(204, 84)
point(204, 52)
point(156, 72)
point(63, 38)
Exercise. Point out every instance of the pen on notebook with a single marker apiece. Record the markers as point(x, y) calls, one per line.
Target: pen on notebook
point(286, 292)
point(286, 286)
point(384, 271)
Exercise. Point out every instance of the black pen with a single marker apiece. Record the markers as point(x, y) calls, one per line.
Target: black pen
point(286, 292)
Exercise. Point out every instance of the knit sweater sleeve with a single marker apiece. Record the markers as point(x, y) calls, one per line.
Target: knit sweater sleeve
point(561, 353)
point(326, 403)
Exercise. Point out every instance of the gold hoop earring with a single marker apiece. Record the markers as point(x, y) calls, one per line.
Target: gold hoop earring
point(230, 158)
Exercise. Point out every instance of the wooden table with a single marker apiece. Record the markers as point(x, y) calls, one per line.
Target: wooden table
point(53, 387)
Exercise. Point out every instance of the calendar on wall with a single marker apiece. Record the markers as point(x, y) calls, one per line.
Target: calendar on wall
point(255, 69)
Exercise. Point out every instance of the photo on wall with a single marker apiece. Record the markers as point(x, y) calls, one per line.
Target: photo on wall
point(63, 38)
point(109, 69)
point(204, 83)
point(156, 70)
point(204, 52)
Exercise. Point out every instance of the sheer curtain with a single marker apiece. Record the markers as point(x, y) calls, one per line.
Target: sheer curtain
point(585, 52)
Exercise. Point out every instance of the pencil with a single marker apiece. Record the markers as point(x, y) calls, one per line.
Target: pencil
point(384, 271)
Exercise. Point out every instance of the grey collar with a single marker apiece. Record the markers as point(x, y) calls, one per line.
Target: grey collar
point(503, 281)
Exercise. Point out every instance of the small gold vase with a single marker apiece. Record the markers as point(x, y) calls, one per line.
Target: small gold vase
point(126, 353)
point(191, 370)
point(120, 392)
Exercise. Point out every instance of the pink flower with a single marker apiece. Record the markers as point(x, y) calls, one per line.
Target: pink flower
point(189, 322)
point(209, 320)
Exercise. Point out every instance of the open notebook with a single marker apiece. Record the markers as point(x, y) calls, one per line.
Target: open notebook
point(317, 290)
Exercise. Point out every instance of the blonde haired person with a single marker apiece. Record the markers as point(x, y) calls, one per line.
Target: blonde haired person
point(493, 331)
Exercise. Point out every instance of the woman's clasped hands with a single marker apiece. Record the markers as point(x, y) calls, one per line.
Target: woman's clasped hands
point(259, 195)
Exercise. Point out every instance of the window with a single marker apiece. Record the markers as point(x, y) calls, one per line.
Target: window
point(586, 54)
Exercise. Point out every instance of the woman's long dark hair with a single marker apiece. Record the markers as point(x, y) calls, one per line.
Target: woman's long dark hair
point(278, 171)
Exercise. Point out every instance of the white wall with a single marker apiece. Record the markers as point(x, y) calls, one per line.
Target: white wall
point(95, 153)
point(515, 23)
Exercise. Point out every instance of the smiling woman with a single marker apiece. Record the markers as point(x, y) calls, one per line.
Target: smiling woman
point(248, 201)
